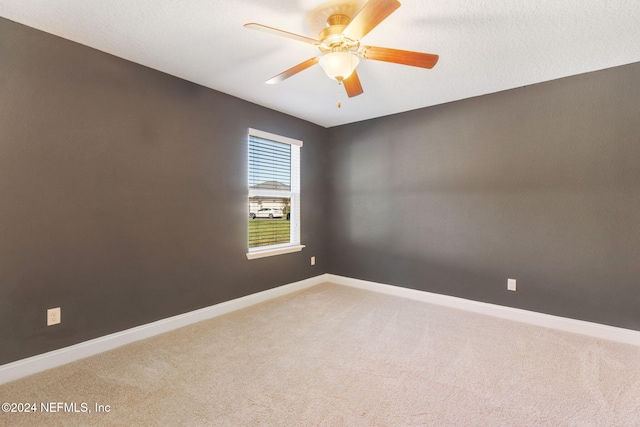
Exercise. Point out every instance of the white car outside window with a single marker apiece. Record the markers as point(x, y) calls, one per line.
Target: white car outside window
point(269, 213)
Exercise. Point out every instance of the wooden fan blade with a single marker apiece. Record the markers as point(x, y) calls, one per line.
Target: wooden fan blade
point(281, 33)
point(404, 57)
point(352, 85)
point(371, 14)
point(293, 70)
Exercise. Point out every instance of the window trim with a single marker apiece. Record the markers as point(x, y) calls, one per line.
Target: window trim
point(283, 248)
point(274, 137)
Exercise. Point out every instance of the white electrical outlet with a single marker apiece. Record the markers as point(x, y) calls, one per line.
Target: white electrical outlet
point(313, 260)
point(511, 284)
point(53, 316)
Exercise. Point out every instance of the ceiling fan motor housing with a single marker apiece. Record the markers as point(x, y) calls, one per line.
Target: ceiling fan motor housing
point(332, 39)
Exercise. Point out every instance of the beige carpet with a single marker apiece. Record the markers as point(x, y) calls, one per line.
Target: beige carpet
point(335, 356)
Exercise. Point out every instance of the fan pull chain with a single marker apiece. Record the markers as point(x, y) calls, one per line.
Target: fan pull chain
point(339, 86)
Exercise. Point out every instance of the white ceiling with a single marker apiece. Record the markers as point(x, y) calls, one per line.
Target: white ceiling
point(485, 46)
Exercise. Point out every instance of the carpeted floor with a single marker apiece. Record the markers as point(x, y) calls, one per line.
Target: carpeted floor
point(334, 356)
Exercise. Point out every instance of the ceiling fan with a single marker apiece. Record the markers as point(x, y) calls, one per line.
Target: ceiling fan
point(339, 44)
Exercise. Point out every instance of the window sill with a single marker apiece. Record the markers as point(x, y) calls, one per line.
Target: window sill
point(274, 251)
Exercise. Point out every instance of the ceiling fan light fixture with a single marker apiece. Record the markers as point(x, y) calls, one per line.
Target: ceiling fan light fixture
point(339, 65)
point(339, 42)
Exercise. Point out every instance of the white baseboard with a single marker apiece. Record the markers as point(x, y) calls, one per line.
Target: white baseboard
point(42, 362)
point(596, 330)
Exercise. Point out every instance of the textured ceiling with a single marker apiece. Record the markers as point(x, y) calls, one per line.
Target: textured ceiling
point(484, 46)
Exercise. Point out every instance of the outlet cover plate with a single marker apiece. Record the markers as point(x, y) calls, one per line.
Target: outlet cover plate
point(53, 316)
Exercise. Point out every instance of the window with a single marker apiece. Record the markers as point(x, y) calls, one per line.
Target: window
point(274, 195)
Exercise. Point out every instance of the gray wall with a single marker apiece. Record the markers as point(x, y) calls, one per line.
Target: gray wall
point(123, 194)
point(540, 184)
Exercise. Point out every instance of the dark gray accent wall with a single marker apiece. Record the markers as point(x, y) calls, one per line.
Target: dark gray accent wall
point(540, 184)
point(123, 194)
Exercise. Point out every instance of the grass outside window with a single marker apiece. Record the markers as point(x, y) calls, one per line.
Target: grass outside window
point(266, 232)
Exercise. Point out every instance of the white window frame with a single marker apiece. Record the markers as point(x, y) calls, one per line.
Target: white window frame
point(294, 194)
